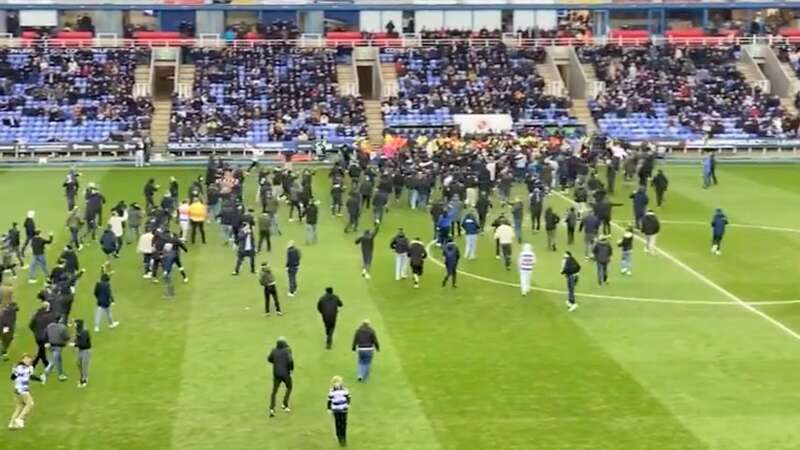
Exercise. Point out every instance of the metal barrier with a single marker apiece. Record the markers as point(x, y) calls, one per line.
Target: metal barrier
point(106, 40)
point(183, 90)
point(310, 40)
point(141, 90)
point(555, 89)
point(389, 90)
point(348, 89)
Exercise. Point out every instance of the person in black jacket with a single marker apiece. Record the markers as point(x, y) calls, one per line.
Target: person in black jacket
point(365, 344)
point(104, 298)
point(602, 252)
point(13, 241)
point(83, 342)
point(650, 228)
point(367, 243)
point(328, 307)
point(38, 244)
point(8, 324)
point(570, 269)
point(416, 259)
point(282, 367)
point(30, 230)
point(353, 212)
point(660, 184)
point(246, 249)
point(38, 326)
point(292, 267)
point(551, 221)
point(312, 215)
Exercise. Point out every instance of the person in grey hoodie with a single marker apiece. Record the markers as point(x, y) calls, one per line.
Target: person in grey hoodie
point(602, 256)
point(58, 338)
point(134, 222)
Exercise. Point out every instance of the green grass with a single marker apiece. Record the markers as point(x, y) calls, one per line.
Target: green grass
point(477, 367)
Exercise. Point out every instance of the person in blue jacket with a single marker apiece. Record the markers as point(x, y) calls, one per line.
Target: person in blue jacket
point(471, 228)
point(640, 202)
point(108, 242)
point(718, 224)
point(443, 229)
point(451, 257)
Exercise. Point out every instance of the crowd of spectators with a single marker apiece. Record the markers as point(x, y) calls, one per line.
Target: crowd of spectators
point(70, 95)
point(676, 92)
point(279, 29)
point(443, 80)
point(267, 93)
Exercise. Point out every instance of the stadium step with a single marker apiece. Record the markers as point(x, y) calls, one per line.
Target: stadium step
point(159, 128)
point(389, 73)
point(788, 106)
point(553, 83)
point(589, 71)
point(186, 80)
point(346, 79)
point(580, 110)
point(375, 124)
point(141, 77)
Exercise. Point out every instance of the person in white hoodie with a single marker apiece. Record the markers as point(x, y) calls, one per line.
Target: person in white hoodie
point(183, 219)
point(504, 235)
point(525, 263)
point(146, 249)
point(117, 224)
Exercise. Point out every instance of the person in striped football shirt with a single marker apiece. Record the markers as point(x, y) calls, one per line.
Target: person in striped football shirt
point(22, 376)
point(526, 261)
point(338, 404)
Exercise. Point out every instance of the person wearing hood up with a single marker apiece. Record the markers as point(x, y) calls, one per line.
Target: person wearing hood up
point(451, 257)
point(525, 262)
point(282, 367)
point(8, 325)
point(718, 224)
point(400, 246)
point(602, 252)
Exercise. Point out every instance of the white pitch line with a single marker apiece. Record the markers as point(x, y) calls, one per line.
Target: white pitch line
point(609, 297)
point(735, 225)
point(778, 324)
point(581, 294)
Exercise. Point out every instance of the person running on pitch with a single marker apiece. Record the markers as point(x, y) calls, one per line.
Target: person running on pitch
point(282, 367)
point(416, 258)
point(570, 269)
point(21, 376)
point(718, 224)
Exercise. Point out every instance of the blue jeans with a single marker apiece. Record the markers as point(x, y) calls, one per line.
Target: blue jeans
point(518, 230)
point(572, 281)
point(364, 362)
point(413, 197)
point(99, 313)
point(56, 361)
point(40, 262)
point(311, 234)
point(627, 260)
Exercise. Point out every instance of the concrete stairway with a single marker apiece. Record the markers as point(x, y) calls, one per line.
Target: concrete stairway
point(142, 74)
point(788, 105)
point(159, 129)
point(389, 78)
point(580, 110)
point(186, 78)
point(552, 78)
point(346, 79)
point(375, 123)
point(750, 74)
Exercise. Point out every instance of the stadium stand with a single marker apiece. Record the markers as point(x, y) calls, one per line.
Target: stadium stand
point(70, 95)
point(266, 94)
point(668, 92)
point(437, 82)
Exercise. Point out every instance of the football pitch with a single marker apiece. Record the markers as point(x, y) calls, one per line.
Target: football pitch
point(693, 351)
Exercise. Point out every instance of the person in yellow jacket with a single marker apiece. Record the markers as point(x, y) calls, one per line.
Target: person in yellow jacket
point(197, 218)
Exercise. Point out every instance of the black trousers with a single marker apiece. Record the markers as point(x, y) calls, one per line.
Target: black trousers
point(536, 219)
point(198, 226)
point(330, 326)
point(340, 422)
point(271, 291)
point(451, 275)
point(264, 236)
point(276, 383)
point(241, 256)
point(41, 354)
point(659, 197)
